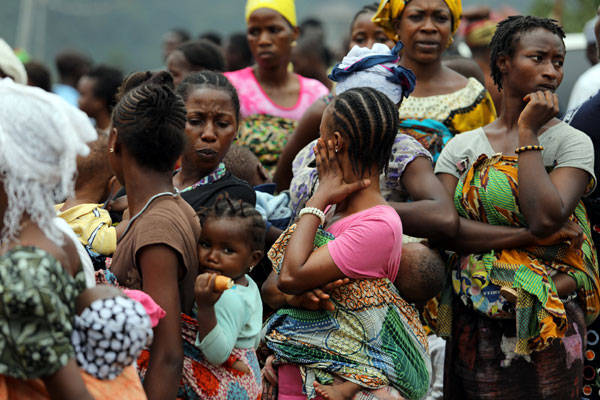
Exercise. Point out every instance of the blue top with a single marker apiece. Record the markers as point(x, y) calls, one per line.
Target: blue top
point(239, 321)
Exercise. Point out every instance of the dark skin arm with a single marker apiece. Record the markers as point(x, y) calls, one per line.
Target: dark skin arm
point(66, 384)
point(303, 268)
point(306, 131)
point(431, 214)
point(315, 299)
point(206, 297)
point(159, 265)
point(546, 200)
point(479, 237)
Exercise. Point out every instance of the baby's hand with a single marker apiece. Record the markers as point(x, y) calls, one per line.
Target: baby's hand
point(204, 290)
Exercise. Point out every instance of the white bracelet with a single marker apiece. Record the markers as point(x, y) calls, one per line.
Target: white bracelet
point(313, 211)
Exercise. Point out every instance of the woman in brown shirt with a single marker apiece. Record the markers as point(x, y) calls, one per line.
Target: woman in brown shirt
point(157, 251)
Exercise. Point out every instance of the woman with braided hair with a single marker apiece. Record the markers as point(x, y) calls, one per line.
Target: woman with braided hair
point(371, 339)
point(157, 252)
point(213, 112)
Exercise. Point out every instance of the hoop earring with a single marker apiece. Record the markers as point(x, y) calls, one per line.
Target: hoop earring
point(450, 41)
point(111, 150)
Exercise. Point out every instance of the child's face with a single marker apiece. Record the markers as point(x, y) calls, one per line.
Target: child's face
point(223, 247)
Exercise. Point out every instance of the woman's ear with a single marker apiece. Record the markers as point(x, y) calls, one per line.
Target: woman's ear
point(113, 143)
point(296, 34)
point(338, 141)
point(503, 63)
point(397, 28)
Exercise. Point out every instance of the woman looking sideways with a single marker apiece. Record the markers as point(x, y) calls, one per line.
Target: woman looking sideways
point(524, 282)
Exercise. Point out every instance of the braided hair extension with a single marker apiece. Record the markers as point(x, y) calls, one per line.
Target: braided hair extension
point(509, 31)
point(135, 79)
point(369, 120)
point(150, 120)
point(225, 207)
point(210, 80)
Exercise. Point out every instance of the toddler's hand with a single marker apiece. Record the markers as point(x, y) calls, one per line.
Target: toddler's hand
point(204, 290)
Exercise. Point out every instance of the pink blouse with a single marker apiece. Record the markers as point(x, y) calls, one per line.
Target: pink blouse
point(368, 244)
point(253, 99)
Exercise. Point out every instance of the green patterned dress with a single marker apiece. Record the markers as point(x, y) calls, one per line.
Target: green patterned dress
point(37, 306)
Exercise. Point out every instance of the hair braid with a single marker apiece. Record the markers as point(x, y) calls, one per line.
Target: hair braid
point(211, 80)
point(370, 121)
point(508, 33)
point(150, 120)
point(225, 207)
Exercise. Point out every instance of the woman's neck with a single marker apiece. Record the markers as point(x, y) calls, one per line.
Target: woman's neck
point(276, 76)
point(423, 71)
point(362, 199)
point(188, 175)
point(512, 107)
point(141, 184)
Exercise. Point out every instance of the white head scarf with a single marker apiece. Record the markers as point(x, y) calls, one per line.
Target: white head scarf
point(11, 65)
point(376, 68)
point(40, 137)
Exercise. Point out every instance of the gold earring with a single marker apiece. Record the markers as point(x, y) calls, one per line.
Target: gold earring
point(294, 43)
point(450, 41)
point(111, 150)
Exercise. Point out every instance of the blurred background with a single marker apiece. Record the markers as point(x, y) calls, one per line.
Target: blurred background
point(128, 33)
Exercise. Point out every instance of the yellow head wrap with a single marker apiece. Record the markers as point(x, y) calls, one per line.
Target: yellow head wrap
point(480, 33)
point(287, 8)
point(390, 10)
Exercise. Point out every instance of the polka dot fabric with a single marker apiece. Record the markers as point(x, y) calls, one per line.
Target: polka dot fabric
point(109, 335)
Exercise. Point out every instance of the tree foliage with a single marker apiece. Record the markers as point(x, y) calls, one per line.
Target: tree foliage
point(573, 14)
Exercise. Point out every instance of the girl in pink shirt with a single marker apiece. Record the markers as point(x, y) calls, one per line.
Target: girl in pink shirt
point(372, 339)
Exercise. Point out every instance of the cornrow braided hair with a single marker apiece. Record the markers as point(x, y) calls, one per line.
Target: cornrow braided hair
point(508, 33)
point(150, 120)
point(211, 80)
point(225, 207)
point(135, 79)
point(370, 122)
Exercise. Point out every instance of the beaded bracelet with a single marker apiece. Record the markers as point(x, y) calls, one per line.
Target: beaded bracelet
point(526, 148)
point(313, 211)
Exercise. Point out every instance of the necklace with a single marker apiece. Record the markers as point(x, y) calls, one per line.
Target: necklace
point(150, 200)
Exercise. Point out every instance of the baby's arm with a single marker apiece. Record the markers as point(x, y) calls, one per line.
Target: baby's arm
point(218, 324)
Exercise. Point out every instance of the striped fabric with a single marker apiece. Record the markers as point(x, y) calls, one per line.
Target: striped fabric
point(489, 193)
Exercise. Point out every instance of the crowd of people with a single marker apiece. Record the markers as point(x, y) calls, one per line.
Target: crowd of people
point(258, 220)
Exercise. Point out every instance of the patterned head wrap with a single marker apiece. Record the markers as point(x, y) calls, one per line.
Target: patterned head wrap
point(41, 136)
point(287, 8)
point(390, 10)
point(480, 33)
point(375, 68)
point(109, 335)
point(11, 65)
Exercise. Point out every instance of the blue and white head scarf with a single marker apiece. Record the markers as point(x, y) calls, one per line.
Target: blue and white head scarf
point(375, 68)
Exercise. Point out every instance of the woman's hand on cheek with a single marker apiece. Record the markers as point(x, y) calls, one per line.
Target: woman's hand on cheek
point(332, 187)
point(541, 107)
point(204, 290)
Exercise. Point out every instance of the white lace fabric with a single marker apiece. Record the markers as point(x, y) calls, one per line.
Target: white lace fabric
point(41, 136)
